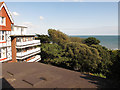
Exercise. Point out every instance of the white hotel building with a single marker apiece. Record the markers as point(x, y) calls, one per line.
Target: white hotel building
point(15, 44)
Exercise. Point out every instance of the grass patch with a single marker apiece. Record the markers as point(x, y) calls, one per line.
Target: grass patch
point(98, 75)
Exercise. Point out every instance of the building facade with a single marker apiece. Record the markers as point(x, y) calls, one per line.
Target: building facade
point(15, 44)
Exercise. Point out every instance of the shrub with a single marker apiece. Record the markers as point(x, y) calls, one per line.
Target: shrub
point(85, 58)
point(104, 53)
point(43, 38)
point(91, 40)
point(76, 39)
point(58, 37)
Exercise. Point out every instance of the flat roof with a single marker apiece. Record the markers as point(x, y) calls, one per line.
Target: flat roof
point(22, 35)
point(19, 26)
point(39, 75)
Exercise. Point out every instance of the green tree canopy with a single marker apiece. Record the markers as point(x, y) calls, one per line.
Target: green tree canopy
point(85, 58)
point(115, 67)
point(104, 53)
point(76, 39)
point(43, 38)
point(58, 37)
point(91, 40)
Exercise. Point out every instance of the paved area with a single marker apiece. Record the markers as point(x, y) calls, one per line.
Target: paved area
point(38, 75)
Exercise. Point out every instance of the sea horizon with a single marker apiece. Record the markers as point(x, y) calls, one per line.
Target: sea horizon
point(109, 41)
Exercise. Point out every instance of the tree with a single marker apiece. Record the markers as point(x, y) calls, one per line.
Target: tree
point(91, 40)
point(58, 37)
point(105, 62)
point(76, 39)
point(84, 58)
point(115, 67)
point(43, 38)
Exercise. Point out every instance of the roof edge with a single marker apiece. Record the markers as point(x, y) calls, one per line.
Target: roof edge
point(8, 12)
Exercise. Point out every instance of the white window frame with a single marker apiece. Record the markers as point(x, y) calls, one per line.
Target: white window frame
point(1, 35)
point(3, 19)
point(0, 53)
point(3, 51)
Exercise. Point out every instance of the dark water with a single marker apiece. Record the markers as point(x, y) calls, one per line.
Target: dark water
point(110, 42)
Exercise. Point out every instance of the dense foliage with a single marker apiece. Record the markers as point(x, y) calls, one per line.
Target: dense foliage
point(91, 40)
point(115, 67)
point(84, 58)
point(58, 37)
point(80, 54)
point(76, 39)
point(43, 38)
point(105, 62)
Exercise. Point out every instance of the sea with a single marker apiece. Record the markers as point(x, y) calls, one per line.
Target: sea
point(109, 41)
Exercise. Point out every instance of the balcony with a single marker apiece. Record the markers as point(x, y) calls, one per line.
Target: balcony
point(23, 55)
point(5, 44)
point(5, 59)
point(36, 59)
point(27, 44)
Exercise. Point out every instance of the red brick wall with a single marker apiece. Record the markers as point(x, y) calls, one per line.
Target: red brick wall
point(13, 46)
point(3, 13)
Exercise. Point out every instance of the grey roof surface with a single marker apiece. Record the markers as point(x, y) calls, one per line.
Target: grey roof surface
point(39, 75)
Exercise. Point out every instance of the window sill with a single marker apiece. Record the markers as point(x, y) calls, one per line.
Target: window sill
point(3, 25)
point(2, 59)
point(2, 41)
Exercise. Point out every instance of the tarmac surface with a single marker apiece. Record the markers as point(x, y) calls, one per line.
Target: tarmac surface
point(39, 75)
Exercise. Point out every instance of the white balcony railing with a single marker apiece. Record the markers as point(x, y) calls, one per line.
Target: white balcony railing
point(37, 58)
point(8, 59)
point(27, 44)
point(5, 44)
point(22, 55)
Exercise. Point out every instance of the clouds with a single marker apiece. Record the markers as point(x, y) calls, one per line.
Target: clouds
point(15, 13)
point(28, 24)
point(33, 28)
point(41, 17)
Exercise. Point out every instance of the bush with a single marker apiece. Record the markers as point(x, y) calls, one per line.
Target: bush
point(51, 51)
point(104, 53)
point(43, 38)
point(82, 55)
point(76, 39)
point(91, 40)
point(84, 58)
point(115, 67)
point(58, 37)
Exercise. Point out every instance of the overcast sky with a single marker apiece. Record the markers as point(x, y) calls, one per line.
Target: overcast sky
point(72, 18)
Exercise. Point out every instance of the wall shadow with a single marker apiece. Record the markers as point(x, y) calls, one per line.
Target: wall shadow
point(98, 81)
point(6, 85)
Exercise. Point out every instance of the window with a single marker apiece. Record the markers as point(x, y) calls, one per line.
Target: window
point(2, 21)
point(4, 53)
point(24, 39)
point(22, 32)
point(2, 36)
point(0, 53)
point(18, 39)
point(19, 50)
